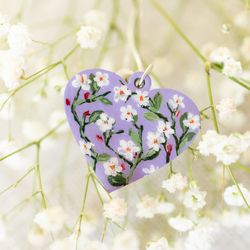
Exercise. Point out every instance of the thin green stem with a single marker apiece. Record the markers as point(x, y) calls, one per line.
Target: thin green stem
point(167, 17)
point(104, 229)
point(210, 95)
point(39, 178)
point(237, 185)
point(49, 133)
point(82, 208)
point(14, 185)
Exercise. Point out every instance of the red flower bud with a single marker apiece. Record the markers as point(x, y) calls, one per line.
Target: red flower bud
point(67, 101)
point(177, 113)
point(86, 95)
point(169, 149)
point(99, 138)
point(86, 113)
point(123, 166)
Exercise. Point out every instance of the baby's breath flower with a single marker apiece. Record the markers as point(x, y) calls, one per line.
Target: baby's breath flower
point(226, 28)
point(232, 68)
point(161, 244)
point(226, 149)
point(220, 55)
point(226, 108)
point(37, 236)
point(88, 36)
point(11, 68)
point(245, 48)
point(147, 207)
point(126, 240)
point(4, 26)
point(200, 238)
point(115, 210)
point(2, 230)
point(194, 198)
point(96, 18)
point(19, 38)
point(233, 197)
point(180, 224)
point(51, 219)
point(175, 182)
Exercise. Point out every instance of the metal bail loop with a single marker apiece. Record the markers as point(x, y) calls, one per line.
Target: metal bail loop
point(140, 82)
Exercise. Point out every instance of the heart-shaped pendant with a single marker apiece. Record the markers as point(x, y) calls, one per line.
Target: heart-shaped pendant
point(125, 129)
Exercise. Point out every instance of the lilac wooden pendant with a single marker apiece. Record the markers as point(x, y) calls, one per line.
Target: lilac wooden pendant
point(124, 130)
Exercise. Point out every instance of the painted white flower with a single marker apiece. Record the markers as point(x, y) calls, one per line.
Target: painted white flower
point(174, 183)
point(233, 197)
point(232, 68)
point(102, 79)
point(112, 167)
point(151, 169)
point(105, 122)
point(161, 244)
point(154, 140)
point(194, 198)
point(147, 207)
point(176, 102)
point(19, 38)
point(115, 210)
point(128, 149)
point(11, 68)
point(192, 121)
point(220, 55)
point(128, 113)
point(126, 240)
point(88, 36)
point(121, 93)
point(81, 80)
point(141, 98)
point(165, 128)
point(226, 108)
point(51, 219)
point(180, 224)
point(86, 147)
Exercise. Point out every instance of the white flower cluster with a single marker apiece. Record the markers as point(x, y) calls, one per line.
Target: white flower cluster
point(231, 67)
point(226, 149)
point(161, 244)
point(233, 197)
point(115, 210)
point(88, 36)
point(15, 41)
point(149, 206)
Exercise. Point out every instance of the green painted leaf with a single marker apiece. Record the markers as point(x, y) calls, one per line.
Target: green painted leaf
point(183, 117)
point(118, 180)
point(104, 100)
point(157, 101)
point(103, 157)
point(95, 116)
point(188, 137)
point(94, 87)
point(135, 117)
point(135, 137)
point(150, 116)
point(151, 154)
